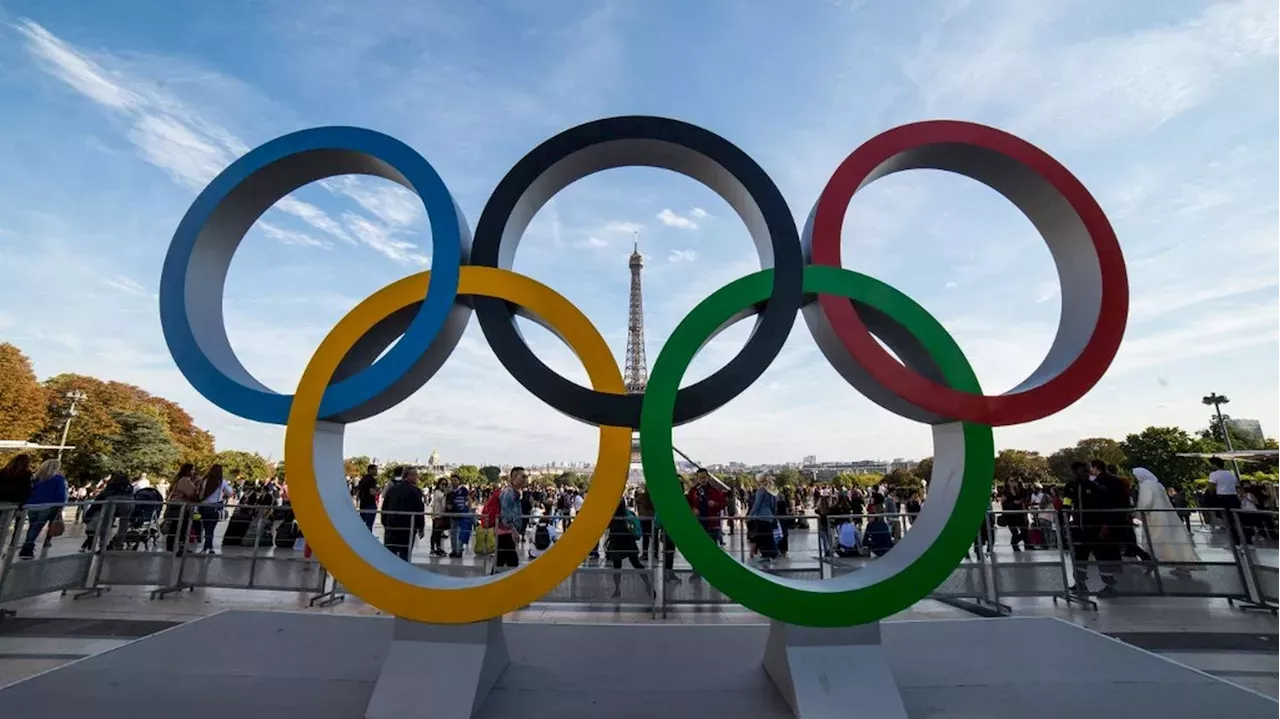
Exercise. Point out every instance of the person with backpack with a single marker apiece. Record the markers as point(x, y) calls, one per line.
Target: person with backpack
point(624, 534)
point(459, 505)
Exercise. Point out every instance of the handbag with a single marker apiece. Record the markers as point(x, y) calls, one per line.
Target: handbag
point(56, 527)
point(486, 540)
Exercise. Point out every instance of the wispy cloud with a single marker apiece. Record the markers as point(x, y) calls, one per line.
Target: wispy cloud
point(621, 227)
point(671, 219)
point(126, 285)
point(291, 237)
point(682, 256)
point(167, 134)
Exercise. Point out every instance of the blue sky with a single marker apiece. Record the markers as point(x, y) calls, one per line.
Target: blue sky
point(114, 118)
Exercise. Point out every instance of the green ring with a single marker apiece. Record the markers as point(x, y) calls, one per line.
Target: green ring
point(820, 603)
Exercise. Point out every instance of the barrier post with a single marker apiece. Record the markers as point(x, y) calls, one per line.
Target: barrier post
point(1244, 564)
point(104, 523)
point(654, 570)
point(182, 533)
point(8, 550)
point(257, 540)
point(1066, 550)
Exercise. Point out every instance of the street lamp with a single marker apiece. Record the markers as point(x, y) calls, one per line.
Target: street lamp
point(1216, 401)
point(75, 396)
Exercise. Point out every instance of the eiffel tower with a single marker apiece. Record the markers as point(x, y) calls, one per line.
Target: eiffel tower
point(636, 374)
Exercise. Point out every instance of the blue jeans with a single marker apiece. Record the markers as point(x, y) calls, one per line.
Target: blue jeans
point(208, 521)
point(37, 518)
point(460, 525)
point(368, 514)
point(824, 538)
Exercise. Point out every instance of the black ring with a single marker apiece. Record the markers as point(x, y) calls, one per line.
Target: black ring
point(646, 142)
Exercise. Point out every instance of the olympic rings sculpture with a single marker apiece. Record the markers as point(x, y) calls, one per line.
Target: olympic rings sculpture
point(349, 378)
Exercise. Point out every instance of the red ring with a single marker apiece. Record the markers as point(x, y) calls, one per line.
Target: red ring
point(1035, 403)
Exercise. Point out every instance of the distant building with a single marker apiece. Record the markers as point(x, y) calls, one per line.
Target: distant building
point(810, 460)
point(1250, 428)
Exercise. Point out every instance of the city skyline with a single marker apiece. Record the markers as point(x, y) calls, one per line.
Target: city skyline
point(1168, 116)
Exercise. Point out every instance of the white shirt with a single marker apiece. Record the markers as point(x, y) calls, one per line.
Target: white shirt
point(219, 494)
point(1225, 481)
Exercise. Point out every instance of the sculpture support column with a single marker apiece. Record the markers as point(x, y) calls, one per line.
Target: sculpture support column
point(443, 671)
point(826, 672)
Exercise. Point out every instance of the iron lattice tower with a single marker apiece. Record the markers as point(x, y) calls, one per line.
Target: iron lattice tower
point(636, 375)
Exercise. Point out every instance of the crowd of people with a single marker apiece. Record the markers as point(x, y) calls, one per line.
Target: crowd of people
point(142, 514)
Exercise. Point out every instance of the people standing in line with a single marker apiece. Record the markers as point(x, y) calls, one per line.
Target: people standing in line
point(439, 520)
point(1013, 500)
point(403, 515)
point(48, 487)
point(1226, 499)
point(763, 518)
point(367, 495)
point(624, 533)
point(214, 491)
point(1169, 541)
point(15, 482)
point(120, 491)
point(509, 520)
point(460, 508)
point(706, 501)
point(644, 510)
point(1126, 536)
point(1089, 499)
point(183, 495)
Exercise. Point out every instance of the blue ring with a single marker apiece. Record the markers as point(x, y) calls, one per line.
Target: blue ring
point(235, 199)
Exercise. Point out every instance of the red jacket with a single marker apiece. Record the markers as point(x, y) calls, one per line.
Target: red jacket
point(715, 503)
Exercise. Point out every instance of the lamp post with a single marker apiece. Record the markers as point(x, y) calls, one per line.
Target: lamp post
point(1216, 401)
point(75, 396)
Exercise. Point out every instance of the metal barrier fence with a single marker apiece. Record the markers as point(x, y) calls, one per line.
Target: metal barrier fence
point(1030, 553)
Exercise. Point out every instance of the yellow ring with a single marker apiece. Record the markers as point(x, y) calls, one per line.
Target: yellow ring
point(490, 597)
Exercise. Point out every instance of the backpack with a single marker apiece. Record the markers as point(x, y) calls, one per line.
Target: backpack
point(492, 507)
point(633, 524)
point(541, 537)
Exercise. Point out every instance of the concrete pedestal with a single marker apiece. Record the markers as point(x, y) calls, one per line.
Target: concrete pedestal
point(824, 672)
point(439, 670)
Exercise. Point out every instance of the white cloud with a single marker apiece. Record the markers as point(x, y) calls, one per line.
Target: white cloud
point(380, 238)
point(699, 213)
point(596, 242)
point(193, 151)
point(126, 285)
point(682, 256)
point(290, 237)
point(671, 219)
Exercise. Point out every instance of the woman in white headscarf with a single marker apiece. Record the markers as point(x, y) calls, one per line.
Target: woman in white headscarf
point(1170, 541)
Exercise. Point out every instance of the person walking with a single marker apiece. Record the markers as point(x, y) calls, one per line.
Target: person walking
point(367, 496)
point(1088, 499)
point(509, 522)
point(763, 518)
point(1013, 503)
point(624, 535)
point(183, 494)
point(460, 509)
point(403, 515)
point(439, 520)
point(214, 491)
point(1226, 497)
point(1169, 540)
point(48, 495)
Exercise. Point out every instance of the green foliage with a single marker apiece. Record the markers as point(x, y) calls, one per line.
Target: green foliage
point(924, 470)
point(355, 466)
point(490, 475)
point(786, 477)
point(1108, 450)
point(141, 445)
point(1156, 448)
point(248, 466)
point(1022, 465)
point(469, 474)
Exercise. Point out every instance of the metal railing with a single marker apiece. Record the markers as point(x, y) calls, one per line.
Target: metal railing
point(1027, 553)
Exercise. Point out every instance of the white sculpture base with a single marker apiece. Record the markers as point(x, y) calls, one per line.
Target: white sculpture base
point(832, 672)
point(438, 670)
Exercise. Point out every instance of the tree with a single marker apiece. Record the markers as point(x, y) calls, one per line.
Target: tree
point(355, 466)
point(899, 478)
point(141, 445)
point(490, 474)
point(1239, 440)
point(924, 470)
point(23, 405)
point(193, 442)
point(787, 477)
point(469, 474)
point(1022, 465)
point(1108, 450)
point(1156, 448)
point(249, 466)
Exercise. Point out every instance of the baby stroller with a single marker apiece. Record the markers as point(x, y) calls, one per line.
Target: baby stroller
point(144, 527)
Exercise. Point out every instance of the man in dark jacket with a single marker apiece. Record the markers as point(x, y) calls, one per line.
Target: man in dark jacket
point(367, 495)
point(1089, 501)
point(403, 515)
